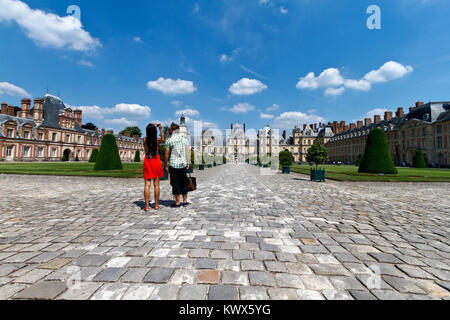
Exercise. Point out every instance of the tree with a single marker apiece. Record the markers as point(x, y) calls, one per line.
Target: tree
point(94, 156)
point(359, 160)
point(108, 157)
point(285, 158)
point(133, 131)
point(317, 154)
point(377, 158)
point(137, 157)
point(419, 160)
point(89, 126)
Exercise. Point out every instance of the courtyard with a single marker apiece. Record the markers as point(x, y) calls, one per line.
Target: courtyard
point(244, 236)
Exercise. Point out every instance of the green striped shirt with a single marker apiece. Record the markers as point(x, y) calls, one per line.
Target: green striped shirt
point(177, 145)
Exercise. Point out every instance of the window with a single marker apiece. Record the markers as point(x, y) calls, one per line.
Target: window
point(26, 134)
point(79, 139)
point(9, 151)
point(439, 129)
point(424, 143)
point(67, 137)
point(54, 152)
point(40, 152)
point(54, 137)
point(439, 142)
point(424, 131)
point(26, 152)
point(404, 134)
point(9, 133)
point(41, 136)
point(413, 133)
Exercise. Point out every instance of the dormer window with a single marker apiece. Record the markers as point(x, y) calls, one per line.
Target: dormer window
point(26, 134)
point(9, 133)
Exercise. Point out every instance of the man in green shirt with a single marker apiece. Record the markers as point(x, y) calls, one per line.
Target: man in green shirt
point(179, 154)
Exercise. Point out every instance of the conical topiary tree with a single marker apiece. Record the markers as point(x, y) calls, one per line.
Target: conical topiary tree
point(377, 158)
point(94, 156)
point(419, 160)
point(137, 157)
point(108, 158)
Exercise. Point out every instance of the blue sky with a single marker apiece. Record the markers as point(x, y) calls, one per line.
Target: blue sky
point(276, 62)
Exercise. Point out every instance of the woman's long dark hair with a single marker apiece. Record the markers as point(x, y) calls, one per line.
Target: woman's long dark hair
point(151, 140)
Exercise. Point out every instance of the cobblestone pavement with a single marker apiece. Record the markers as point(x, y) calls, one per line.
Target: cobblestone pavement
point(245, 236)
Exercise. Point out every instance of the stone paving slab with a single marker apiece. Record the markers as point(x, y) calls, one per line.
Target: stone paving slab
point(245, 236)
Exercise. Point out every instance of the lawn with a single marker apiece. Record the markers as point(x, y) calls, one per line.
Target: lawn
point(350, 173)
point(130, 170)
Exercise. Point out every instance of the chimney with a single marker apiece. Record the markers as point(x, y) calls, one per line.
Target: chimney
point(244, 127)
point(320, 124)
point(400, 113)
point(26, 106)
point(127, 134)
point(360, 124)
point(388, 115)
point(231, 126)
point(352, 126)
point(411, 109)
point(136, 137)
point(304, 127)
point(367, 122)
point(96, 131)
point(335, 127)
point(10, 111)
point(103, 132)
point(284, 134)
point(4, 108)
point(315, 126)
point(419, 104)
point(346, 128)
point(377, 119)
point(38, 109)
point(78, 116)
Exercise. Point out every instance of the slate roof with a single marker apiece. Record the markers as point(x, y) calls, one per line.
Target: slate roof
point(53, 108)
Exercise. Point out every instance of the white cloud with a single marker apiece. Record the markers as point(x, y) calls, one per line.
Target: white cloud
point(120, 122)
point(91, 112)
point(335, 84)
point(242, 108)
point(137, 39)
point(264, 1)
point(225, 58)
point(391, 70)
point(86, 63)
point(188, 113)
point(12, 90)
point(329, 77)
point(295, 118)
point(283, 10)
point(133, 110)
point(247, 87)
point(334, 91)
point(176, 103)
point(48, 29)
point(266, 116)
point(170, 86)
point(122, 109)
point(375, 112)
point(273, 107)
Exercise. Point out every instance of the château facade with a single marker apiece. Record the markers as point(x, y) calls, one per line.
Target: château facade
point(50, 131)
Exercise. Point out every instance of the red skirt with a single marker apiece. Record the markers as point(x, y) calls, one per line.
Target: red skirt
point(153, 168)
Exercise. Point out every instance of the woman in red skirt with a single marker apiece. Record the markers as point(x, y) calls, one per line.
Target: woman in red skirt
point(152, 163)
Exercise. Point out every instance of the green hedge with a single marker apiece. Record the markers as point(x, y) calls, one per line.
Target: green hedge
point(108, 157)
point(285, 158)
point(137, 157)
point(377, 158)
point(419, 160)
point(94, 156)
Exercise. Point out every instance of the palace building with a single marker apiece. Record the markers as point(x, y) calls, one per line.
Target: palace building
point(426, 128)
point(50, 131)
